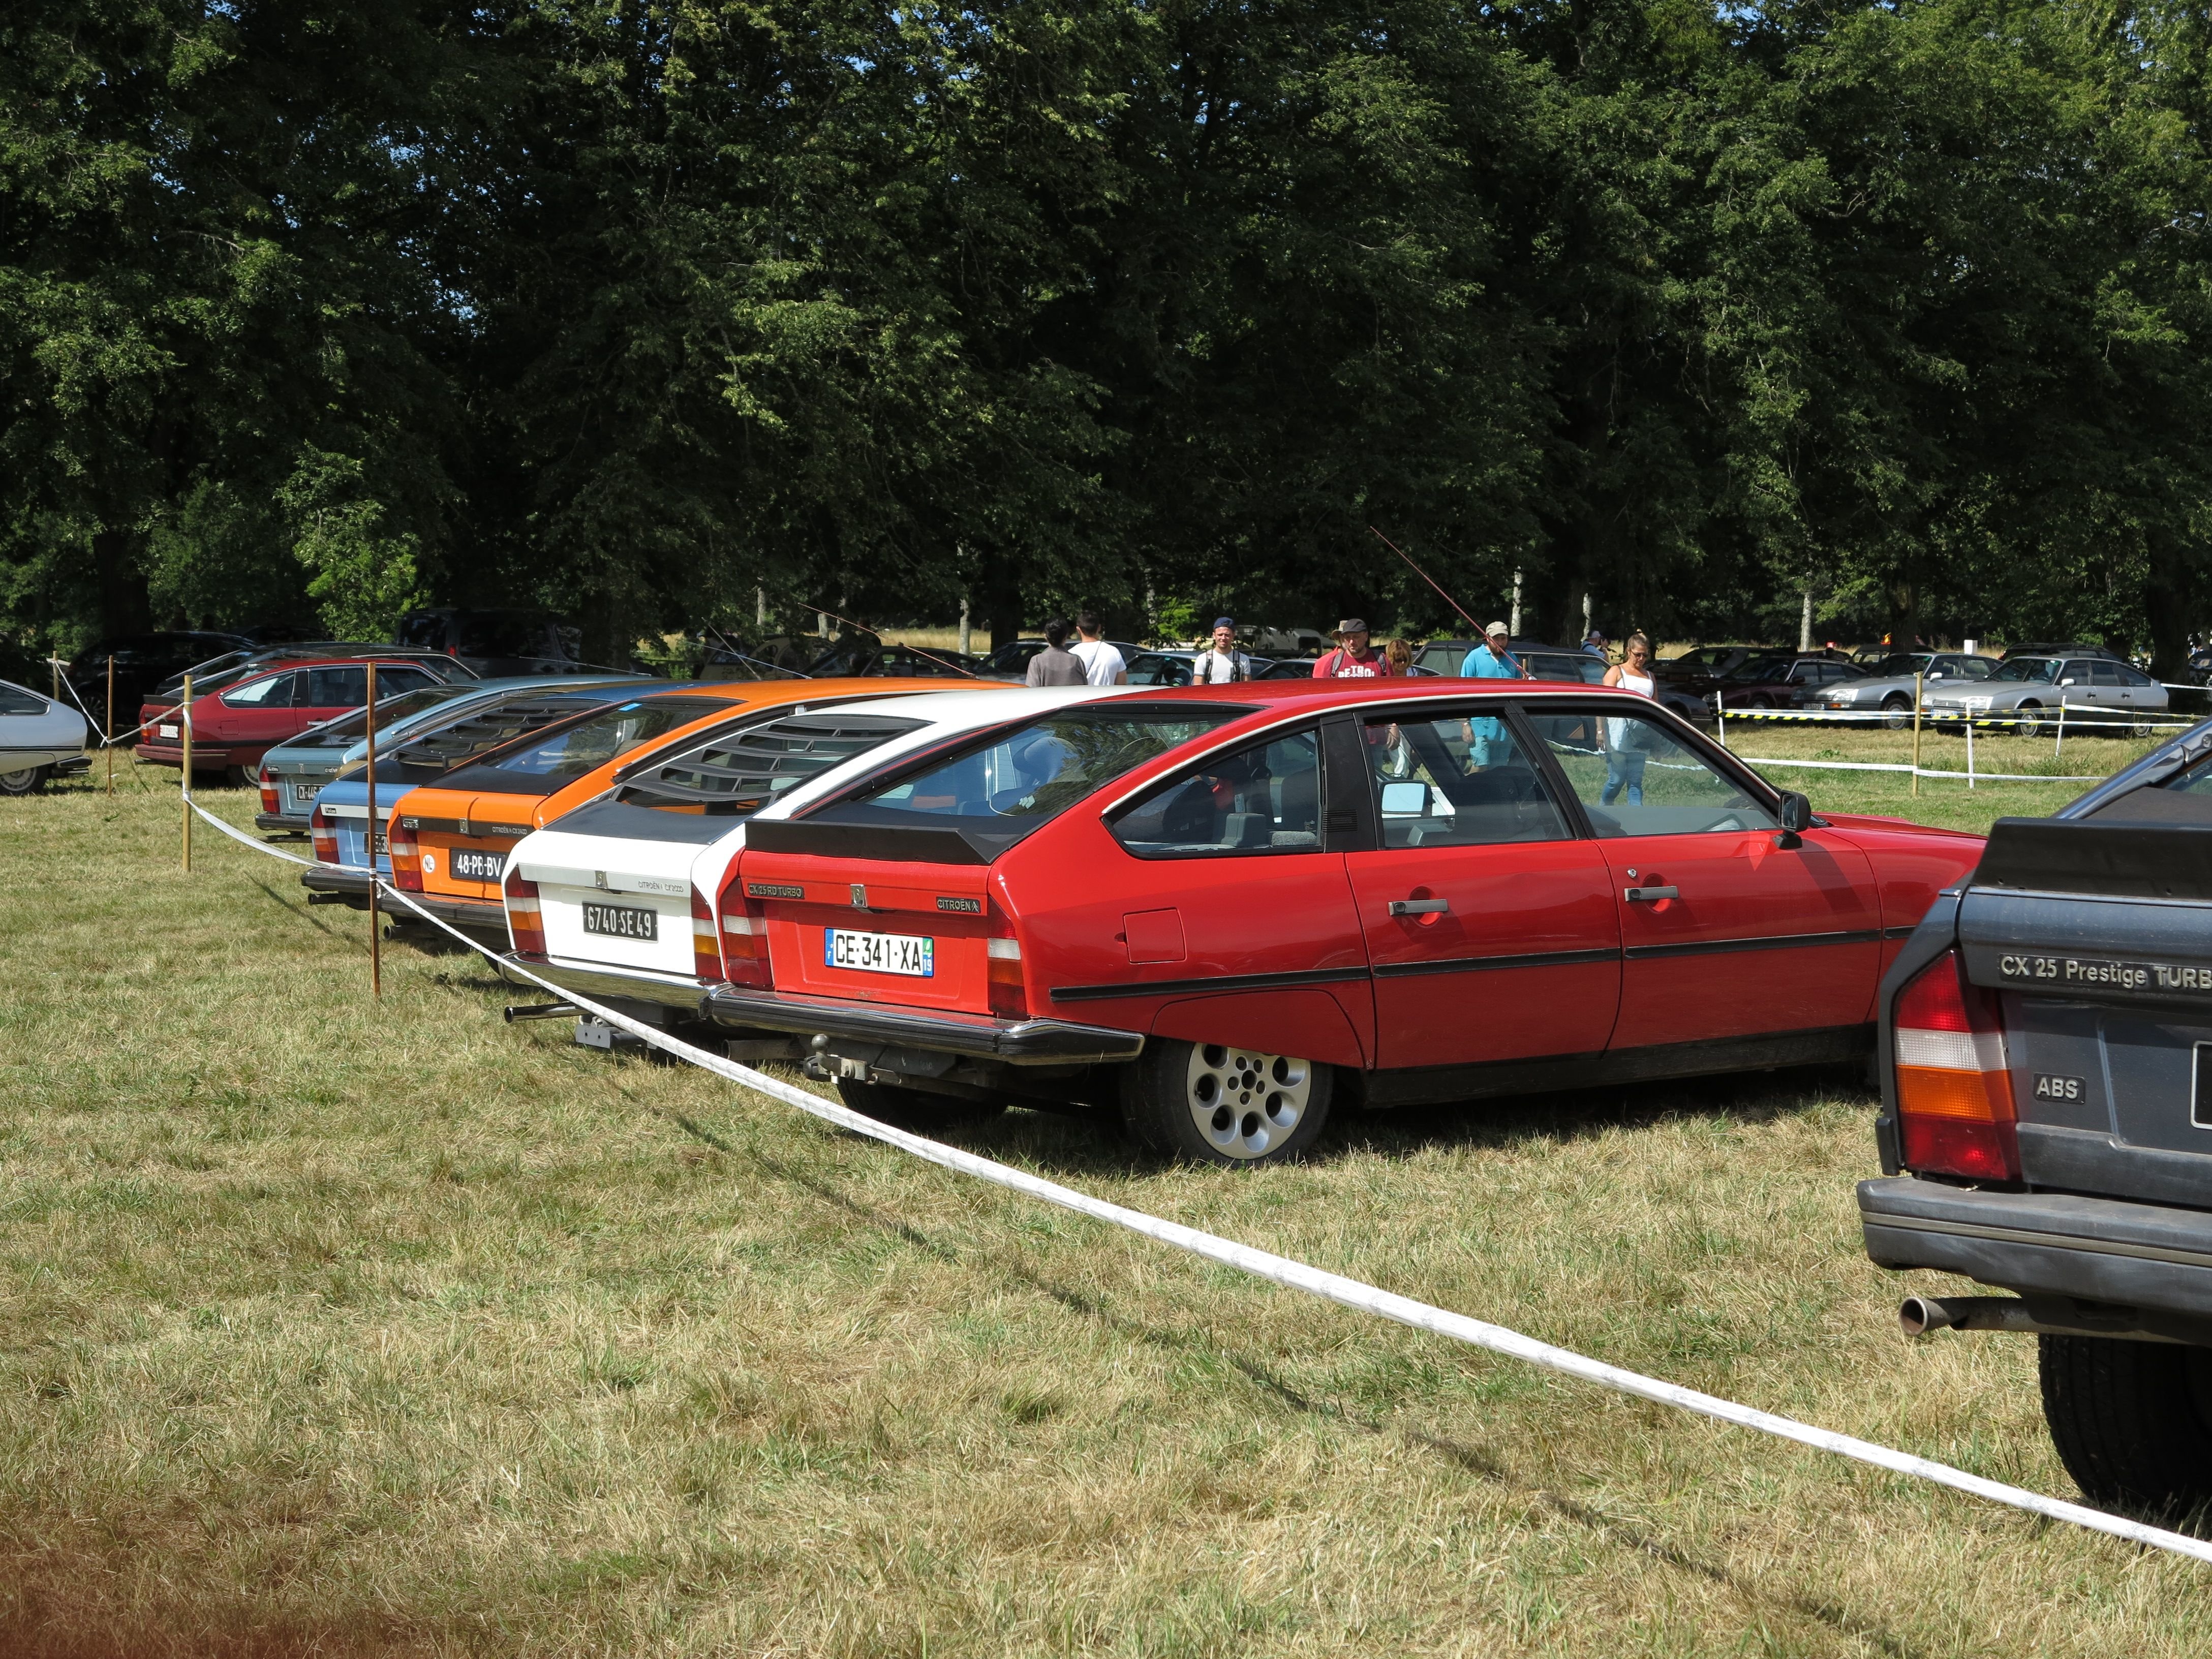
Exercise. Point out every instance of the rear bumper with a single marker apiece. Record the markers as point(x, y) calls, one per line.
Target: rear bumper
point(1015, 1042)
point(354, 884)
point(620, 984)
point(278, 821)
point(2099, 1249)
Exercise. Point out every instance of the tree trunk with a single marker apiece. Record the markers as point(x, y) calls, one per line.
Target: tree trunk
point(125, 606)
point(1904, 614)
point(999, 589)
point(2167, 599)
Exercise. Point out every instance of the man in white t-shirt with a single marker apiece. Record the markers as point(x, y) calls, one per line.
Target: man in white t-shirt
point(1101, 663)
point(1224, 662)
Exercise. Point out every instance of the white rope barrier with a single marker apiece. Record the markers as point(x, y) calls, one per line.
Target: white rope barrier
point(1298, 1275)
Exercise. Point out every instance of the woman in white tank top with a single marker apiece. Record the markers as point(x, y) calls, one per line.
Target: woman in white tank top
point(1624, 756)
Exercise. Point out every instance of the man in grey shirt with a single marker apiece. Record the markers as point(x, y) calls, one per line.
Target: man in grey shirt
point(1056, 664)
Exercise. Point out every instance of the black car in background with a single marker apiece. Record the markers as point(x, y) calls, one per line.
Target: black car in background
point(1701, 668)
point(143, 664)
point(495, 643)
point(861, 656)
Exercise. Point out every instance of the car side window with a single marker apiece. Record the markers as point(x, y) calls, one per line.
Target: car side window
point(1265, 798)
point(1976, 668)
point(2104, 673)
point(1460, 782)
point(2130, 675)
point(275, 692)
point(13, 701)
point(391, 682)
point(1634, 777)
point(338, 688)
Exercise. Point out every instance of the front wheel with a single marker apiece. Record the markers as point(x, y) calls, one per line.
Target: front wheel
point(2027, 726)
point(2132, 1421)
point(1897, 713)
point(27, 781)
point(1207, 1102)
point(912, 1109)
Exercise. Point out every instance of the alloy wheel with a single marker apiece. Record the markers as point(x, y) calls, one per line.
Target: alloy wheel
point(1243, 1102)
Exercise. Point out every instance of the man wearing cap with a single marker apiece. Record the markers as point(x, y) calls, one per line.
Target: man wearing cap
point(1222, 663)
point(1594, 644)
point(1353, 658)
point(1491, 661)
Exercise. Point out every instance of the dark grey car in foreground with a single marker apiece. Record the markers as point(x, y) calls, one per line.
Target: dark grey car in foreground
point(2046, 1126)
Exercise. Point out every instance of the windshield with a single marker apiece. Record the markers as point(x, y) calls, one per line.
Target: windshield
point(347, 729)
point(1759, 668)
point(2040, 669)
point(1902, 665)
point(588, 745)
point(1010, 785)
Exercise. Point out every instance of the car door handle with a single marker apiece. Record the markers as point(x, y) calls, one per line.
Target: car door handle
point(1418, 906)
point(1650, 895)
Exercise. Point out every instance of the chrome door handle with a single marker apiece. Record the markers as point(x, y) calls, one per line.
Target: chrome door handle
point(1649, 895)
point(1418, 906)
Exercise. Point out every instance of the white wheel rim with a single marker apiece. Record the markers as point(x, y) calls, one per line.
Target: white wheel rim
point(1245, 1103)
point(19, 779)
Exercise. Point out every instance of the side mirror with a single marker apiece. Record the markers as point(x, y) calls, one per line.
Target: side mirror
point(1405, 801)
point(2069, 680)
point(1796, 818)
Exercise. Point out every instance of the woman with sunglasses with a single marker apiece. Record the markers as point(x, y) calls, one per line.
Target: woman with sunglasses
point(1624, 764)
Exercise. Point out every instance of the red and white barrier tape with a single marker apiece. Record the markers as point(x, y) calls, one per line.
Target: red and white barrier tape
point(1297, 1275)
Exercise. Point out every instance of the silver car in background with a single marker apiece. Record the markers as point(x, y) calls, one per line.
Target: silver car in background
point(2026, 694)
point(38, 737)
point(1890, 690)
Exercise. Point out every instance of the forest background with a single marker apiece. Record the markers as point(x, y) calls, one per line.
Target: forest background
point(322, 308)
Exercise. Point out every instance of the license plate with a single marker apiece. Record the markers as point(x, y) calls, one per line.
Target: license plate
point(620, 921)
point(167, 730)
point(485, 866)
point(302, 793)
point(380, 846)
point(879, 953)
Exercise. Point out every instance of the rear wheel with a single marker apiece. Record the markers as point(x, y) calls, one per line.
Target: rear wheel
point(912, 1108)
point(1897, 712)
point(24, 782)
point(242, 777)
point(1211, 1104)
point(1761, 702)
point(2132, 1421)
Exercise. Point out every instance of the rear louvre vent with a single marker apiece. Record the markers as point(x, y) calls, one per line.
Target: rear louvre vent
point(464, 741)
point(742, 771)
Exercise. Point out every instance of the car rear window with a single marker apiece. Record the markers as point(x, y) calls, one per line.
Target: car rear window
point(739, 770)
point(1016, 780)
point(347, 730)
point(543, 762)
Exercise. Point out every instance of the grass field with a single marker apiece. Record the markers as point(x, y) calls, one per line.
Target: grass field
point(344, 1328)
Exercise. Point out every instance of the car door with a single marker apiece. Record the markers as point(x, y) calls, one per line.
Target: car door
point(330, 691)
point(1724, 932)
point(2108, 686)
point(1490, 921)
point(255, 716)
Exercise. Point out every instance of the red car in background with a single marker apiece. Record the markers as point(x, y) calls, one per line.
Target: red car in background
point(235, 727)
point(1218, 910)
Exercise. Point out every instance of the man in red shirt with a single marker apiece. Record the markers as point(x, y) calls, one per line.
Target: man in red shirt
point(1353, 658)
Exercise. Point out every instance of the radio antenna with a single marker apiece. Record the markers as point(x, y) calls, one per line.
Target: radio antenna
point(1427, 578)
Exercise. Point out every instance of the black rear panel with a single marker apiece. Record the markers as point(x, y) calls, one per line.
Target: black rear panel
point(2129, 859)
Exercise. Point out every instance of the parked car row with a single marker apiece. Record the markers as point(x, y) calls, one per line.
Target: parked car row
point(1213, 913)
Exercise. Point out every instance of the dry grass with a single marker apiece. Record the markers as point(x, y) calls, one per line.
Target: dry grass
point(338, 1328)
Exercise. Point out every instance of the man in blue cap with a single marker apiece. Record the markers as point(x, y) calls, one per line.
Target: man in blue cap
point(1222, 663)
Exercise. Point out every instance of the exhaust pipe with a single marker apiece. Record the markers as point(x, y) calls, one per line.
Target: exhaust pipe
point(1918, 1315)
point(540, 1011)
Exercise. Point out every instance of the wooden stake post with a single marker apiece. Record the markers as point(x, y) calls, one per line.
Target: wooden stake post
point(108, 740)
point(185, 719)
point(1917, 687)
point(375, 938)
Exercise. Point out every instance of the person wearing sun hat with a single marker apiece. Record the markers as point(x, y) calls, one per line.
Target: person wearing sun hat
point(1354, 658)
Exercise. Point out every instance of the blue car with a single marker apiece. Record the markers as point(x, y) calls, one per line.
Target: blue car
point(466, 717)
point(338, 818)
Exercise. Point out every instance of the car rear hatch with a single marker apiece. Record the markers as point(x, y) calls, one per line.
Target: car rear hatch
point(464, 838)
point(608, 900)
point(2097, 935)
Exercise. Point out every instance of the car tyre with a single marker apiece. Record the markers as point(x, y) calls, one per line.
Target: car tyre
point(28, 781)
point(2027, 726)
point(1897, 712)
point(1210, 1103)
point(241, 777)
point(914, 1109)
point(2132, 1421)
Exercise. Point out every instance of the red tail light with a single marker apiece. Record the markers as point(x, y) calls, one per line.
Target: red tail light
point(1953, 1086)
point(706, 949)
point(745, 941)
point(324, 834)
point(406, 855)
point(523, 929)
point(1009, 993)
point(269, 803)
